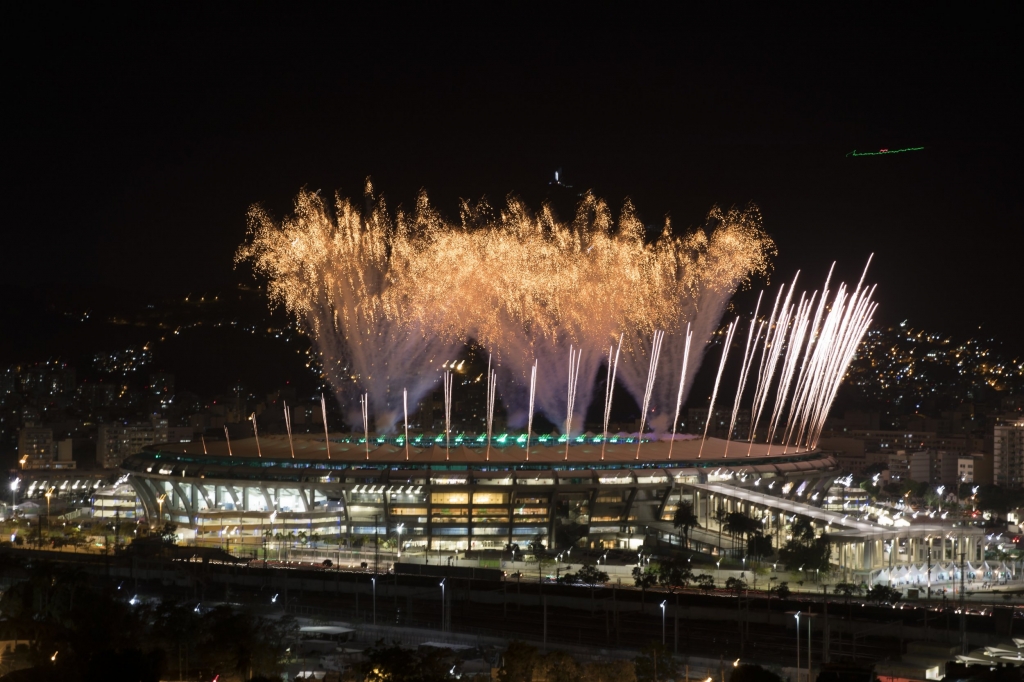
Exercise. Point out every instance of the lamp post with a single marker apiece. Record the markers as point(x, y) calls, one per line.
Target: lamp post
point(718, 570)
point(797, 646)
point(442, 605)
point(14, 493)
point(160, 506)
point(663, 621)
point(400, 528)
point(374, 581)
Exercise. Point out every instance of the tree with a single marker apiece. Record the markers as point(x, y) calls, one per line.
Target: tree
point(848, 590)
point(704, 582)
point(782, 590)
point(883, 594)
point(759, 546)
point(518, 662)
point(720, 516)
point(590, 575)
point(610, 671)
point(685, 519)
point(747, 672)
point(736, 585)
point(674, 575)
point(559, 666)
point(644, 578)
point(654, 663)
point(740, 525)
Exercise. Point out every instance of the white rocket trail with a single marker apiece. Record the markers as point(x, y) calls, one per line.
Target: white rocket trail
point(613, 367)
point(492, 380)
point(659, 337)
point(748, 357)
point(327, 437)
point(574, 375)
point(529, 419)
point(718, 378)
point(405, 413)
point(364, 403)
point(682, 384)
point(447, 378)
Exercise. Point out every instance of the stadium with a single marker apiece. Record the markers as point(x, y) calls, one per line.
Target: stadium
point(426, 496)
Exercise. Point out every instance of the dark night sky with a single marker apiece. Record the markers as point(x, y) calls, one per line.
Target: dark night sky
point(133, 143)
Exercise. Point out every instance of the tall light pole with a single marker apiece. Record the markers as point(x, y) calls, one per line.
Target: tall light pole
point(14, 493)
point(442, 605)
point(374, 581)
point(160, 505)
point(401, 527)
point(663, 621)
point(797, 646)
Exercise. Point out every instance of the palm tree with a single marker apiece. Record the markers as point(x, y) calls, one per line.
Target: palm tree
point(684, 519)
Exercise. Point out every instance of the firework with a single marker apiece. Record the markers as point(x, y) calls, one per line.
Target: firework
point(609, 390)
point(384, 296)
point(659, 337)
point(682, 387)
point(327, 435)
point(729, 331)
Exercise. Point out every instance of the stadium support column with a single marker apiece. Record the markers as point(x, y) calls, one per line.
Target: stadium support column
point(348, 518)
point(511, 508)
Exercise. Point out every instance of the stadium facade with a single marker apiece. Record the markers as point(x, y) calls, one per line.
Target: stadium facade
point(427, 496)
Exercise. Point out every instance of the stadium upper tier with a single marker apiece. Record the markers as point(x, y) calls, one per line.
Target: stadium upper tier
point(505, 451)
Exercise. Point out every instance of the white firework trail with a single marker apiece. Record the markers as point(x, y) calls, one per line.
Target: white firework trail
point(659, 337)
point(492, 383)
point(327, 437)
point(818, 344)
point(364, 403)
point(529, 418)
point(718, 378)
point(682, 385)
point(774, 341)
point(227, 437)
point(798, 329)
point(574, 375)
point(448, 378)
point(405, 412)
point(748, 357)
point(256, 434)
point(288, 426)
point(609, 389)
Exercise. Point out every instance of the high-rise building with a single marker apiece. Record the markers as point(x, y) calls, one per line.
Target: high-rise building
point(1008, 452)
point(37, 449)
point(114, 442)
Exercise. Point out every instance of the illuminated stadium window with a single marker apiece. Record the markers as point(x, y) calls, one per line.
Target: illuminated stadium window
point(449, 498)
point(490, 498)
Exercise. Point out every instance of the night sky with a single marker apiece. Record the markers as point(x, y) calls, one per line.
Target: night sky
point(133, 143)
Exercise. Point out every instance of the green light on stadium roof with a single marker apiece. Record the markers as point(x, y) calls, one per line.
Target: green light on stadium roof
point(885, 152)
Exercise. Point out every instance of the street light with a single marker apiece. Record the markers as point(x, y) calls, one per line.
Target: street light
point(14, 492)
point(374, 581)
point(48, 494)
point(160, 504)
point(401, 527)
point(797, 646)
point(663, 622)
point(442, 604)
point(718, 570)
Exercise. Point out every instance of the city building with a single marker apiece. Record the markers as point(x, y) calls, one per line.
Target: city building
point(114, 442)
point(899, 466)
point(37, 449)
point(1008, 452)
